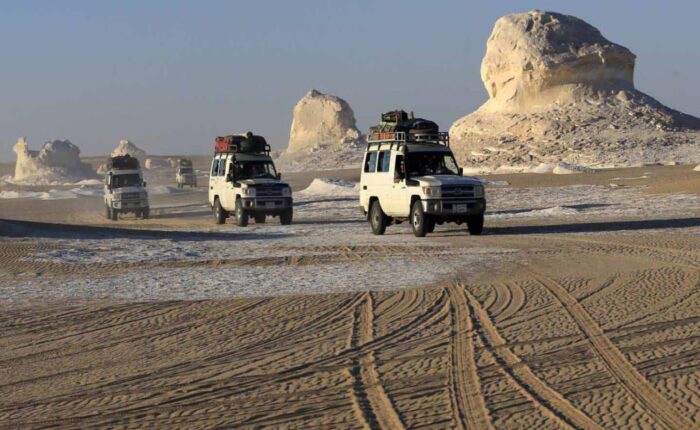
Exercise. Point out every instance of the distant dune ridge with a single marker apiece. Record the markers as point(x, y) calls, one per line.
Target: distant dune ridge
point(560, 91)
point(323, 134)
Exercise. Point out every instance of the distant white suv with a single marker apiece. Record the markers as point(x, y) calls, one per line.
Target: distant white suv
point(125, 189)
point(243, 181)
point(417, 180)
point(184, 175)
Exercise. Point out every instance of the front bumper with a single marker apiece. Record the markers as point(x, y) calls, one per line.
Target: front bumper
point(130, 205)
point(266, 205)
point(454, 207)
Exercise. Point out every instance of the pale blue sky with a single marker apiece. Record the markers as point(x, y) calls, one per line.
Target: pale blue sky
point(171, 75)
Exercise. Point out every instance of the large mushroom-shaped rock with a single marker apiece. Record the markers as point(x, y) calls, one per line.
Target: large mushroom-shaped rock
point(156, 163)
point(323, 134)
point(561, 92)
point(56, 161)
point(538, 57)
point(127, 147)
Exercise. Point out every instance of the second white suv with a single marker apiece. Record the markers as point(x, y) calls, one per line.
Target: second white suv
point(419, 182)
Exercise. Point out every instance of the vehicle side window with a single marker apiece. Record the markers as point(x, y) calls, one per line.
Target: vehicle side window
point(399, 167)
point(384, 161)
point(371, 162)
point(215, 167)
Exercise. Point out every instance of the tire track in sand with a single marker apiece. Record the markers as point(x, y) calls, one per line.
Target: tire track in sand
point(549, 401)
point(636, 385)
point(371, 405)
point(468, 407)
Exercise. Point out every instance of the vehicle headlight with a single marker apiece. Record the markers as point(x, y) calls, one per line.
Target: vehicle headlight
point(286, 192)
point(250, 192)
point(117, 197)
point(432, 191)
point(479, 191)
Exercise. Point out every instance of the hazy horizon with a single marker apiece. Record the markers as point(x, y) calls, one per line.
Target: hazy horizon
point(170, 76)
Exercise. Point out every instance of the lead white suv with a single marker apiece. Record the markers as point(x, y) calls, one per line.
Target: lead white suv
point(418, 181)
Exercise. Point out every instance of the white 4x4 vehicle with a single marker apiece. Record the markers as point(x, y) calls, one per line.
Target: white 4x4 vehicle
point(246, 184)
point(418, 181)
point(125, 189)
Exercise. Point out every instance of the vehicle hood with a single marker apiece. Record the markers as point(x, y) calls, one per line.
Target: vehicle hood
point(438, 180)
point(262, 181)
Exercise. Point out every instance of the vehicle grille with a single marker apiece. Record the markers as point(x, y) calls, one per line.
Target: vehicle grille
point(268, 192)
point(458, 192)
point(131, 196)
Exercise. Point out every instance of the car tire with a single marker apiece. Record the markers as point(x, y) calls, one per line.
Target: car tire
point(241, 214)
point(145, 213)
point(113, 214)
point(431, 224)
point(219, 212)
point(286, 217)
point(377, 218)
point(475, 224)
point(419, 220)
point(259, 219)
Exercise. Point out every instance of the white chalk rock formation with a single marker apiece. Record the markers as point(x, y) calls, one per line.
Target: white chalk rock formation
point(561, 92)
point(156, 163)
point(323, 134)
point(56, 161)
point(127, 147)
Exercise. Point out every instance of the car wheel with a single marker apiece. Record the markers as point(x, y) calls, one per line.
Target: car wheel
point(377, 218)
point(113, 214)
point(241, 214)
point(145, 213)
point(418, 219)
point(219, 213)
point(286, 216)
point(475, 224)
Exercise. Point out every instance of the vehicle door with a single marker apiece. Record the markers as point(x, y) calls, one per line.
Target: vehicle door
point(400, 196)
point(369, 175)
point(228, 182)
point(213, 178)
point(384, 181)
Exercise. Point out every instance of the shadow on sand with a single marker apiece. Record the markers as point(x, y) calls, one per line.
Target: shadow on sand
point(16, 228)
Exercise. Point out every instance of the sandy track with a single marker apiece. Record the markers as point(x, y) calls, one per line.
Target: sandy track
point(630, 378)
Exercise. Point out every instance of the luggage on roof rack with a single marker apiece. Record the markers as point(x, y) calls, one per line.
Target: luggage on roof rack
point(123, 162)
point(398, 126)
point(247, 143)
point(184, 162)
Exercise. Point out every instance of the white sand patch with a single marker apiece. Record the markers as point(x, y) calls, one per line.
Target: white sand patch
point(697, 168)
point(163, 189)
point(84, 191)
point(331, 187)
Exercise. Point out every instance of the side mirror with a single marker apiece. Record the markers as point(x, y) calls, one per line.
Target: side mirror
point(144, 183)
point(279, 176)
point(461, 171)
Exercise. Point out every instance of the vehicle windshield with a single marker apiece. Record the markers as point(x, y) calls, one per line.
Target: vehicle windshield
point(255, 170)
point(185, 170)
point(129, 180)
point(431, 163)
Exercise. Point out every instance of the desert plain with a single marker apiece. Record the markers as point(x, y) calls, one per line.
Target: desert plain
point(577, 308)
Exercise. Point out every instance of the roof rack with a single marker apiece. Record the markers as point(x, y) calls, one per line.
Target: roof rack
point(440, 138)
point(247, 143)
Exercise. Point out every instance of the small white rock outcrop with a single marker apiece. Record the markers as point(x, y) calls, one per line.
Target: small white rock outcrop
point(323, 134)
point(127, 147)
point(56, 161)
point(156, 163)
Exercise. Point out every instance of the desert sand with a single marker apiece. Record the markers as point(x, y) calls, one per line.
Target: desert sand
point(578, 309)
